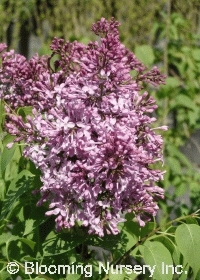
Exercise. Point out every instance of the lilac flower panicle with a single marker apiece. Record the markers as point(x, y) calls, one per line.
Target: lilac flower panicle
point(91, 130)
point(18, 77)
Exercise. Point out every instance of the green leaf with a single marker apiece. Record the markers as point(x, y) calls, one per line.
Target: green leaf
point(191, 220)
point(73, 277)
point(2, 189)
point(8, 240)
point(7, 138)
point(12, 238)
point(28, 226)
point(25, 111)
point(113, 243)
point(6, 158)
point(4, 275)
point(28, 242)
point(167, 242)
point(182, 100)
point(149, 227)
point(2, 114)
point(193, 116)
point(38, 278)
point(131, 225)
point(198, 276)
point(58, 245)
point(174, 165)
point(157, 257)
point(175, 152)
point(145, 54)
point(131, 239)
point(17, 187)
point(122, 242)
point(132, 228)
point(187, 238)
point(184, 275)
point(176, 255)
point(196, 54)
point(180, 189)
point(171, 82)
point(115, 274)
point(32, 217)
point(4, 237)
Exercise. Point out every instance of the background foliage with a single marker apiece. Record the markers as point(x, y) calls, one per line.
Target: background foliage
point(165, 33)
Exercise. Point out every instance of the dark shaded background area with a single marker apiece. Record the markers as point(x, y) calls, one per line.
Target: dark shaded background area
point(73, 19)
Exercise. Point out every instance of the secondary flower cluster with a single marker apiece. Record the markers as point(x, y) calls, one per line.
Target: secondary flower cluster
point(18, 76)
point(91, 129)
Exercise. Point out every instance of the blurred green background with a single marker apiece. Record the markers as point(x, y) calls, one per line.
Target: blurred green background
point(165, 33)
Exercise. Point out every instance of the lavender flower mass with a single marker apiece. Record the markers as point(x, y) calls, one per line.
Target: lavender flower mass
point(90, 132)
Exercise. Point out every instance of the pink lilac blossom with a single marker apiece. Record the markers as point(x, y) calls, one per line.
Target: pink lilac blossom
point(91, 130)
point(18, 77)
